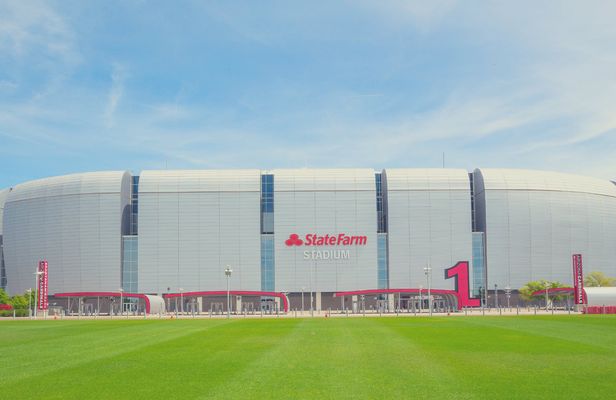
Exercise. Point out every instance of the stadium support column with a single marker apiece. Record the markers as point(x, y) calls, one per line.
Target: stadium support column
point(318, 301)
point(238, 304)
point(228, 272)
point(428, 272)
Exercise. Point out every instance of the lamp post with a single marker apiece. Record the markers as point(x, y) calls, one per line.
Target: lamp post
point(311, 288)
point(29, 301)
point(182, 300)
point(36, 284)
point(363, 303)
point(121, 290)
point(228, 272)
point(420, 300)
point(495, 295)
point(428, 272)
point(508, 294)
point(168, 301)
point(481, 296)
point(303, 289)
point(547, 297)
point(317, 296)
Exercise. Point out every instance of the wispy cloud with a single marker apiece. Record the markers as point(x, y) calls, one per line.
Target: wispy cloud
point(395, 84)
point(7, 86)
point(424, 16)
point(118, 75)
point(33, 25)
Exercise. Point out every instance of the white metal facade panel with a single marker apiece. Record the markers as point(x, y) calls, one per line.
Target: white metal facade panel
point(194, 223)
point(429, 213)
point(72, 221)
point(3, 194)
point(536, 220)
point(325, 201)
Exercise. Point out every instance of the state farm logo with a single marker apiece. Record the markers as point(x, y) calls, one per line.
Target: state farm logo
point(294, 240)
point(312, 239)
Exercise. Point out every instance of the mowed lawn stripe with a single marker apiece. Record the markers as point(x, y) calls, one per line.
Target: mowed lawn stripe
point(204, 356)
point(355, 358)
point(339, 358)
point(65, 344)
point(489, 356)
point(590, 330)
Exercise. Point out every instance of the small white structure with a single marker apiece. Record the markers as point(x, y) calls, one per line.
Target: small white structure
point(157, 304)
point(601, 296)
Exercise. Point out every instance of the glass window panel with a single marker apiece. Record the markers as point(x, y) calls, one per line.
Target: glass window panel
point(267, 263)
point(382, 271)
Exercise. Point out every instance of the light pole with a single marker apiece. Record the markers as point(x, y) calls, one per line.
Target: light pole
point(317, 296)
point(311, 288)
point(168, 305)
point(420, 300)
point(36, 284)
point(547, 297)
point(29, 301)
point(182, 300)
point(228, 272)
point(121, 301)
point(495, 295)
point(363, 303)
point(481, 296)
point(508, 293)
point(303, 289)
point(428, 272)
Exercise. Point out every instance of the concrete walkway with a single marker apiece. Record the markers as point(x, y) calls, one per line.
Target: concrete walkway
point(316, 314)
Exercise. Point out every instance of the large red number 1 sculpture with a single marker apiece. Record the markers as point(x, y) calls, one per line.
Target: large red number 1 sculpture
point(460, 273)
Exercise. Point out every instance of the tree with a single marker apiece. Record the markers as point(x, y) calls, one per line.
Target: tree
point(526, 291)
point(598, 279)
point(21, 301)
point(4, 297)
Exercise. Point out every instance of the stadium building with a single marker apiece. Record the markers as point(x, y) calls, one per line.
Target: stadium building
point(300, 231)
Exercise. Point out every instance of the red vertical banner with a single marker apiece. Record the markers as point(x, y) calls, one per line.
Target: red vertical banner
point(43, 301)
point(578, 279)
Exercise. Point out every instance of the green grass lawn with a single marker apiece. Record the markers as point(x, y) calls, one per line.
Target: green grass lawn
point(532, 357)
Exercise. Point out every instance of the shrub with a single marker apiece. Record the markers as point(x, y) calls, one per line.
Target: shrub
point(18, 313)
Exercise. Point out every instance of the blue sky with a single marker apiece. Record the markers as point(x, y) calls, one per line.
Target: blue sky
point(106, 85)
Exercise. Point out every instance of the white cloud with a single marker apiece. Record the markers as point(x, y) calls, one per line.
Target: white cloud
point(30, 26)
point(118, 75)
point(558, 94)
point(424, 16)
point(551, 102)
point(7, 86)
